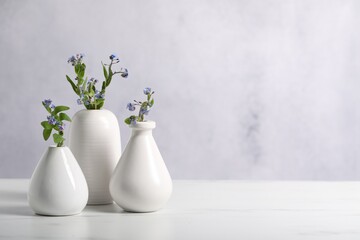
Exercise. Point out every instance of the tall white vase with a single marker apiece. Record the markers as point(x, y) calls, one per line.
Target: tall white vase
point(58, 186)
point(141, 181)
point(95, 141)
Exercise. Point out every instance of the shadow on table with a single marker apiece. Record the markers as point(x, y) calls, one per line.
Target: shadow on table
point(107, 208)
point(110, 208)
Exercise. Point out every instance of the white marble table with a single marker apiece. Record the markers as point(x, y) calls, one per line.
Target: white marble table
point(201, 210)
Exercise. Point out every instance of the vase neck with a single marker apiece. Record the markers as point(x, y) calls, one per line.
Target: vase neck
point(143, 125)
point(138, 132)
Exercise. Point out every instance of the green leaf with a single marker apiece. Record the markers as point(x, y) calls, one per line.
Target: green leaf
point(64, 117)
point(103, 86)
point(105, 72)
point(60, 109)
point(58, 138)
point(46, 133)
point(46, 125)
point(99, 100)
point(91, 93)
point(57, 118)
point(108, 80)
point(77, 68)
point(86, 97)
point(151, 102)
point(81, 71)
point(92, 106)
point(74, 87)
point(84, 86)
point(127, 121)
point(100, 105)
point(80, 81)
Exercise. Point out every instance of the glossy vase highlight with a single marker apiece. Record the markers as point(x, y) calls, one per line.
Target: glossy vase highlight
point(141, 181)
point(95, 141)
point(58, 186)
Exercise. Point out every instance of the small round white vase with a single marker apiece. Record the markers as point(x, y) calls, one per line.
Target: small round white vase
point(141, 181)
point(95, 141)
point(58, 186)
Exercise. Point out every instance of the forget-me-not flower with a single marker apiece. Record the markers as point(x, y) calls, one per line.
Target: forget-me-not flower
point(99, 95)
point(61, 126)
point(47, 102)
point(76, 59)
point(92, 80)
point(130, 106)
point(125, 73)
point(51, 120)
point(144, 111)
point(147, 91)
point(113, 57)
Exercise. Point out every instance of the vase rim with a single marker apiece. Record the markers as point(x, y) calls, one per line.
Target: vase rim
point(85, 109)
point(147, 124)
point(54, 146)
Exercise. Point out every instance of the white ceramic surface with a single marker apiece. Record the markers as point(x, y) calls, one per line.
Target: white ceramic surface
point(95, 141)
point(141, 181)
point(58, 186)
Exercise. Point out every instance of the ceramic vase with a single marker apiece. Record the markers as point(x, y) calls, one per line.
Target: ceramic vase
point(94, 139)
point(57, 186)
point(141, 181)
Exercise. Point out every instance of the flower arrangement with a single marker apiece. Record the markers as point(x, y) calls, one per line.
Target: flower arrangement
point(55, 122)
point(85, 88)
point(144, 107)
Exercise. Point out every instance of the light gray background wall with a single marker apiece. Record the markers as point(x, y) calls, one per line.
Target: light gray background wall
point(244, 89)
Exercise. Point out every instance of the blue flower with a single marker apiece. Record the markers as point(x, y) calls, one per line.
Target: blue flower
point(130, 106)
point(76, 59)
point(99, 95)
point(147, 91)
point(92, 80)
point(72, 60)
point(47, 102)
point(61, 126)
point(51, 120)
point(144, 111)
point(79, 101)
point(87, 103)
point(125, 73)
point(113, 57)
point(52, 106)
point(80, 56)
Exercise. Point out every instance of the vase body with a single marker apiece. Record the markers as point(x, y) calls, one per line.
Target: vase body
point(95, 141)
point(58, 186)
point(141, 181)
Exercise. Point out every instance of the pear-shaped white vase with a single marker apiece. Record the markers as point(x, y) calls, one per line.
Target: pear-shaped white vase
point(95, 141)
point(58, 186)
point(141, 181)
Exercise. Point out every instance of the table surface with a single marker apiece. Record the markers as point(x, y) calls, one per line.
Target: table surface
point(200, 210)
